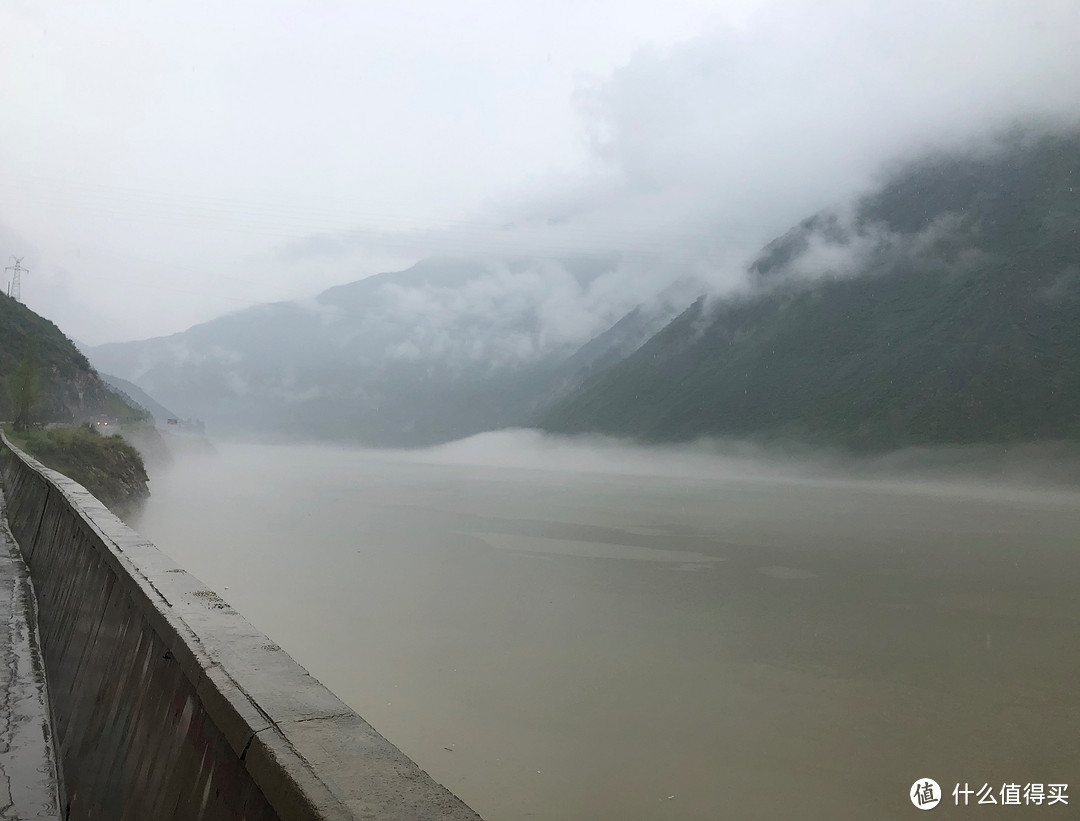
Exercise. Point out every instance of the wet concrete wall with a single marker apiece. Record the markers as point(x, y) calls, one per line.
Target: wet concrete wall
point(167, 704)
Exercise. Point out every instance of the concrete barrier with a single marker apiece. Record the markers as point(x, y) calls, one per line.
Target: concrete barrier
point(168, 704)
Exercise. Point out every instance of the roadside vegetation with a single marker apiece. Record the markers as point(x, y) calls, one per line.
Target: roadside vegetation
point(107, 466)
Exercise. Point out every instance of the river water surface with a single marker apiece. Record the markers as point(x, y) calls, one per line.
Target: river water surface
point(579, 632)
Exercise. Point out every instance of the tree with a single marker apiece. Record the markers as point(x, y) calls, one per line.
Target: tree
point(23, 386)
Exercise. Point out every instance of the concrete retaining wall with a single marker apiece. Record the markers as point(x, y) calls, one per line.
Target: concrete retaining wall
point(168, 704)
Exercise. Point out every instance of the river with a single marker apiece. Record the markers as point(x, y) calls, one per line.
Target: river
point(566, 630)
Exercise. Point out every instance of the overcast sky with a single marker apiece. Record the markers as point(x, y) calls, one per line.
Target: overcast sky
point(163, 163)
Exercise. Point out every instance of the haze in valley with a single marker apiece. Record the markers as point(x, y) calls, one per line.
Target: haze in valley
point(634, 410)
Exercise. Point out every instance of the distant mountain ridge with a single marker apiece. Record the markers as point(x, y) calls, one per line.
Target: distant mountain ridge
point(940, 308)
point(445, 349)
point(137, 397)
point(944, 309)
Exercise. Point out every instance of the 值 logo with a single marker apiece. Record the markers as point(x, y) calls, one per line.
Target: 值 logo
point(925, 794)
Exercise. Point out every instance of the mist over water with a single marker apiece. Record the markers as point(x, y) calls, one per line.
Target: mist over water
point(580, 629)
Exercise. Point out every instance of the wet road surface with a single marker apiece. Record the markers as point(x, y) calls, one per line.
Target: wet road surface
point(28, 782)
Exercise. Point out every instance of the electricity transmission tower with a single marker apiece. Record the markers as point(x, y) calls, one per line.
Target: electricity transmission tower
point(15, 287)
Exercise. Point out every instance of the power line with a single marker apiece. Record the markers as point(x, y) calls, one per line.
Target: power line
point(15, 287)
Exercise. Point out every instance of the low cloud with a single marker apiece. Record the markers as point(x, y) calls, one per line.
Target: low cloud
point(702, 152)
point(508, 314)
point(215, 183)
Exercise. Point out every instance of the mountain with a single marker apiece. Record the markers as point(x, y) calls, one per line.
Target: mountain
point(942, 308)
point(136, 396)
point(445, 349)
point(70, 390)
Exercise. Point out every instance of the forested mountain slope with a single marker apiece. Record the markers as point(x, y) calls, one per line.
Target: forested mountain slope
point(69, 389)
point(943, 308)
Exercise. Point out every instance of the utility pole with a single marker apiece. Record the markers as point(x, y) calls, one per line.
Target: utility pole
point(15, 288)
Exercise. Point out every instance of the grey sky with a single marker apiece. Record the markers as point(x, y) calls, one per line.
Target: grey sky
point(162, 163)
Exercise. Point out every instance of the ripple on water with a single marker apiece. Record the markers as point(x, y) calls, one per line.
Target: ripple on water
point(595, 550)
point(781, 572)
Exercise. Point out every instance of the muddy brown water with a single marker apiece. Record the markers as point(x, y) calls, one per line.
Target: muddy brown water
point(569, 632)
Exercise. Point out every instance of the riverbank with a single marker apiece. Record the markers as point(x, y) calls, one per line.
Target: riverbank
point(109, 467)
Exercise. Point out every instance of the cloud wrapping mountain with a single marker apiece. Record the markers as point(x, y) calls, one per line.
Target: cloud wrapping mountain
point(444, 349)
point(951, 319)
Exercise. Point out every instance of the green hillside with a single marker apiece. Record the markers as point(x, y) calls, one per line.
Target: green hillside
point(70, 390)
point(958, 324)
point(107, 466)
